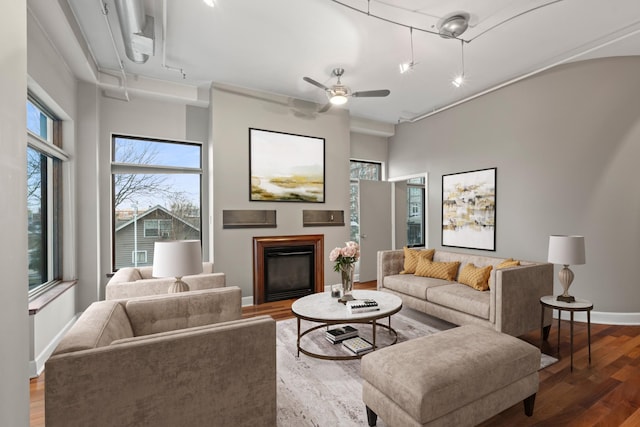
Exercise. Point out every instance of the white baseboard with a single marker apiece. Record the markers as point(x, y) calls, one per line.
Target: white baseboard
point(37, 366)
point(602, 317)
point(247, 301)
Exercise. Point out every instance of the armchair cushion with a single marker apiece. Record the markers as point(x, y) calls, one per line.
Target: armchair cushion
point(163, 313)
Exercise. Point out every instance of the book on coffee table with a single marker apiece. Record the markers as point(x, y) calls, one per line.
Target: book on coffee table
point(362, 306)
point(341, 333)
point(357, 345)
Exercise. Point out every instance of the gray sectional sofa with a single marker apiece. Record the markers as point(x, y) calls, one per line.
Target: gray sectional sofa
point(511, 305)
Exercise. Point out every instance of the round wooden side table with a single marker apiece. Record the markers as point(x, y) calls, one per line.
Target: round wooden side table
point(550, 301)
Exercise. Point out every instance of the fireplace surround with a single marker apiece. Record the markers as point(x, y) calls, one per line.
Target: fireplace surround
point(287, 267)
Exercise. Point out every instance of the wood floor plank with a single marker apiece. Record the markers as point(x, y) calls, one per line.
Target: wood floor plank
point(607, 393)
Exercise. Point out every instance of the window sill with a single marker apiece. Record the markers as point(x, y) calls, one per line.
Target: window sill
point(41, 301)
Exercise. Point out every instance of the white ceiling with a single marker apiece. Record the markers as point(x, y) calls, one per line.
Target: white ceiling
point(271, 45)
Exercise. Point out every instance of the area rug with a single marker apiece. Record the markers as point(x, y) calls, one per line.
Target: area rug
point(315, 392)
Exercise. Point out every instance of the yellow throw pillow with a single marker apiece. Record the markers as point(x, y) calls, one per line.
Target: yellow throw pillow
point(508, 263)
point(437, 270)
point(504, 264)
point(411, 257)
point(476, 277)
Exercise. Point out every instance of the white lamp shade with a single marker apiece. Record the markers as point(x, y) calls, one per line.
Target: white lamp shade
point(566, 250)
point(177, 258)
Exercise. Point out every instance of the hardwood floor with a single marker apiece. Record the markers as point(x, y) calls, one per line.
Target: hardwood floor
point(607, 393)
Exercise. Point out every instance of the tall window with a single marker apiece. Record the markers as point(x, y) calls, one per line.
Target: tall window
point(44, 193)
point(415, 212)
point(360, 170)
point(156, 189)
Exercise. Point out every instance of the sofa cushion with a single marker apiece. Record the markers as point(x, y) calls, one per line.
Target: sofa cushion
point(161, 313)
point(412, 256)
point(462, 298)
point(415, 286)
point(476, 277)
point(437, 270)
point(100, 324)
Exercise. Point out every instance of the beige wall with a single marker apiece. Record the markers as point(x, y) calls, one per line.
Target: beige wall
point(232, 115)
point(566, 144)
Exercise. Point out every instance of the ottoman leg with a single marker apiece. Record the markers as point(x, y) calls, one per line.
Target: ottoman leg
point(372, 417)
point(528, 405)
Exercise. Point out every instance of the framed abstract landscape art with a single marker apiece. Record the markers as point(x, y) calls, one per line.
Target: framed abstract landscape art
point(469, 209)
point(285, 167)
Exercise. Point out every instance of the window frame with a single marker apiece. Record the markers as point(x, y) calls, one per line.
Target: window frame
point(52, 192)
point(139, 168)
point(420, 186)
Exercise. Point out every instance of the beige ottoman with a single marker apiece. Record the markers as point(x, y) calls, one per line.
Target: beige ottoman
point(458, 377)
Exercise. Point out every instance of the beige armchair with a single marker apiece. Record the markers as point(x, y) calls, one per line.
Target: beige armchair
point(182, 359)
point(132, 282)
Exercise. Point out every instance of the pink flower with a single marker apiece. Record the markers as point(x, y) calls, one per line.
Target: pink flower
point(335, 253)
point(349, 251)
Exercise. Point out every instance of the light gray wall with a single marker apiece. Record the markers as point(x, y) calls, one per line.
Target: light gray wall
point(52, 83)
point(148, 118)
point(370, 147)
point(14, 321)
point(231, 117)
point(566, 144)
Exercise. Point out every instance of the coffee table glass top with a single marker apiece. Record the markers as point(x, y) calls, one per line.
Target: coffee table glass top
point(323, 307)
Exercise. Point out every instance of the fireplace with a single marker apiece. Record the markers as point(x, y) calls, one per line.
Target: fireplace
point(287, 267)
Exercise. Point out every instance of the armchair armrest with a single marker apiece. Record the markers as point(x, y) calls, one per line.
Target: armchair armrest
point(207, 375)
point(518, 292)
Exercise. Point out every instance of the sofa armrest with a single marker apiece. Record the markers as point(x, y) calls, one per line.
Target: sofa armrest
point(390, 262)
point(144, 287)
point(518, 292)
point(205, 376)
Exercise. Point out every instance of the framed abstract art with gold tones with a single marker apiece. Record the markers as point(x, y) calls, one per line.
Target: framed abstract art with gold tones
point(469, 209)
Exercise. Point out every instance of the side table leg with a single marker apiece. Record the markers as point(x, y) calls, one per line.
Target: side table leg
point(589, 333)
point(571, 341)
point(541, 327)
point(559, 316)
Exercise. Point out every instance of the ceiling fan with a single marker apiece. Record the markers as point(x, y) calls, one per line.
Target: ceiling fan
point(338, 93)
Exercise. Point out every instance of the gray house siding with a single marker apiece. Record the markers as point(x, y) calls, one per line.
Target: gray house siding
point(125, 244)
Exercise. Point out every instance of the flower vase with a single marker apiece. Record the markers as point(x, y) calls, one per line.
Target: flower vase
point(346, 273)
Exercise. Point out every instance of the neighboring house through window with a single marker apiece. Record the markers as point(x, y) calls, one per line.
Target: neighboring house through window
point(156, 188)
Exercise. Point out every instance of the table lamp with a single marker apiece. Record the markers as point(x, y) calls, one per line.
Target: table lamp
point(566, 250)
point(177, 258)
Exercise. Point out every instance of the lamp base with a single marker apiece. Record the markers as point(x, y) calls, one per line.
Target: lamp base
point(567, 298)
point(178, 286)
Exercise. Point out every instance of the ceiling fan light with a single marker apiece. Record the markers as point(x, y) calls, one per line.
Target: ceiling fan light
point(338, 99)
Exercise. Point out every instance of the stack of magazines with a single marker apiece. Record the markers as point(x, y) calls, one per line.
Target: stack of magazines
point(362, 305)
point(357, 345)
point(340, 334)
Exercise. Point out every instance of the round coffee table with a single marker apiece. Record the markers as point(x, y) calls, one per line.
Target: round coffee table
point(324, 309)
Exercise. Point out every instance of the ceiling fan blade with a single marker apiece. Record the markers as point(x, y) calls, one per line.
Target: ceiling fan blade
point(371, 93)
point(315, 83)
point(325, 107)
